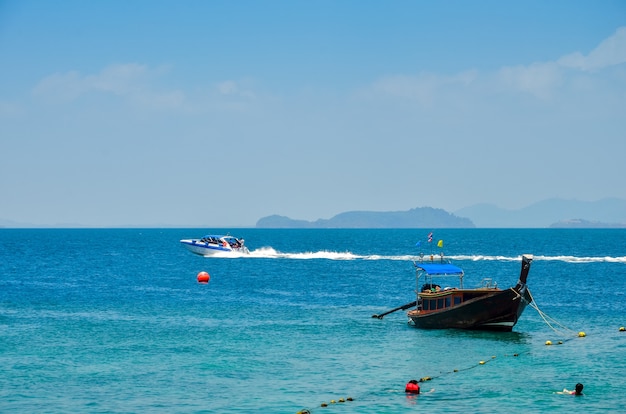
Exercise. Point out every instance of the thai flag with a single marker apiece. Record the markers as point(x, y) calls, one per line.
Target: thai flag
point(430, 237)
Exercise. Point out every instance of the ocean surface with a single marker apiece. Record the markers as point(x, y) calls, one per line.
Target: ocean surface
point(115, 321)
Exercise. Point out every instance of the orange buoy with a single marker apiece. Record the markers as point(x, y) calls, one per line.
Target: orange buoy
point(203, 277)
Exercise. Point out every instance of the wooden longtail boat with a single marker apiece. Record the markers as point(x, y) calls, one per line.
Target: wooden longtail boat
point(484, 308)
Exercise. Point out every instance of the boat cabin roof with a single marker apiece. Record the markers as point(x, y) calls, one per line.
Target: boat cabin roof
point(439, 269)
point(432, 270)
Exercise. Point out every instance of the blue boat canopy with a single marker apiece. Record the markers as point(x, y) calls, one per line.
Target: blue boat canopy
point(440, 269)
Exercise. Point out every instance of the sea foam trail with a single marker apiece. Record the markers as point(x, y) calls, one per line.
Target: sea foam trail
point(270, 253)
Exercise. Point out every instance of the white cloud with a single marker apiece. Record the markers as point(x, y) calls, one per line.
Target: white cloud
point(131, 81)
point(118, 79)
point(227, 87)
point(612, 51)
point(540, 79)
point(61, 86)
point(537, 79)
point(232, 88)
point(424, 87)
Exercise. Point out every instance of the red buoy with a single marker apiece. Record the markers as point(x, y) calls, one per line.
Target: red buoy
point(203, 277)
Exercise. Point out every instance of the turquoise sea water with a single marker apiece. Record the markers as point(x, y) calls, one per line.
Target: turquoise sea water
point(114, 321)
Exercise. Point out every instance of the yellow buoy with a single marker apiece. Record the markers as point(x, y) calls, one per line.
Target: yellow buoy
point(333, 401)
point(482, 362)
point(324, 404)
point(621, 329)
point(581, 334)
point(548, 342)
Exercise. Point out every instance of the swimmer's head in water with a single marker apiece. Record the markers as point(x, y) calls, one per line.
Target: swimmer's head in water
point(579, 389)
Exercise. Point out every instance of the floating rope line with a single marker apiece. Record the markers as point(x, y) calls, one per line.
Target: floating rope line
point(325, 404)
point(423, 379)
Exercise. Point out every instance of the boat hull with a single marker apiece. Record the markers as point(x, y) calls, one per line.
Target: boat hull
point(210, 249)
point(497, 310)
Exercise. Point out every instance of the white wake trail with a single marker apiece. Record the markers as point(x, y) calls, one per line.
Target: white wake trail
point(271, 253)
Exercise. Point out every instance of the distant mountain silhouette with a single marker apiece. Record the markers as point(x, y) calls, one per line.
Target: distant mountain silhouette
point(555, 213)
point(422, 217)
point(609, 212)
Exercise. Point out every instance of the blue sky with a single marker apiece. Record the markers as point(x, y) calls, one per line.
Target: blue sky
point(219, 113)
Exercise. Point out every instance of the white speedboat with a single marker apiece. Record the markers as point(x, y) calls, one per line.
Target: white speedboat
point(212, 244)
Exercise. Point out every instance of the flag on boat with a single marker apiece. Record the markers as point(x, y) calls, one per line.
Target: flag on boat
point(430, 237)
point(440, 243)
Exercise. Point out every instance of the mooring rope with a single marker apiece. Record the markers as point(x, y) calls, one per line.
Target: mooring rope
point(546, 318)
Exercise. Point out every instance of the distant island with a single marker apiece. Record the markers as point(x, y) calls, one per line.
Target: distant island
point(421, 217)
point(552, 213)
point(586, 224)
